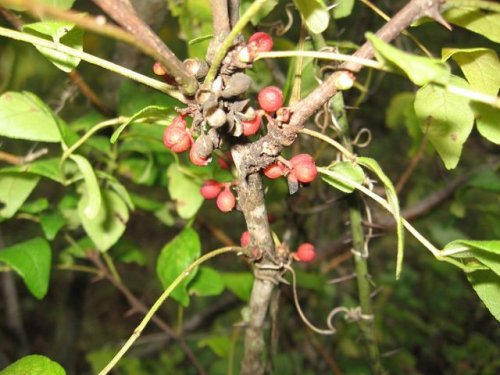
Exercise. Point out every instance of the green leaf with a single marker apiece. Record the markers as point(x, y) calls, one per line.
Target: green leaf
point(446, 118)
point(24, 116)
point(60, 32)
point(46, 168)
point(480, 67)
point(315, 14)
point(149, 111)
point(264, 10)
point(487, 25)
point(184, 191)
point(134, 97)
point(174, 258)
point(208, 282)
point(343, 9)
point(106, 228)
point(487, 252)
point(420, 70)
point(348, 170)
point(401, 112)
point(392, 199)
point(35, 207)
point(15, 188)
point(487, 121)
point(220, 345)
point(486, 180)
point(117, 186)
point(34, 364)
point(93, 192)
point(51, 224)
point(31, 260)
point(239, 283)
point(487, 286)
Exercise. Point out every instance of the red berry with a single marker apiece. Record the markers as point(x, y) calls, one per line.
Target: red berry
point(226, 200)
point(245, 239)
point(210, 189)
point(196, 158)
point(252, 126)
point(176, 137)
point(275, 170)
point(270, 99)
point(305, 253)
point(303, 168)
point(260, 42)
point(158, 69)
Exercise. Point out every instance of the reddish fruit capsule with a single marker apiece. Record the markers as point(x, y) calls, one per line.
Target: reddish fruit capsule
point(275, 170)
point(260, 42)
point(176, 136)
point(245, 239)
point(270, 99)
point(226, 200)
point(252, 126)
point(196, 158)
point(210, 189)
point(303, 168)
point(305, 253)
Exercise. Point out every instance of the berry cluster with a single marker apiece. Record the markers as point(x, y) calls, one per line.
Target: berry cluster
point(212, 189)
point(301, 168)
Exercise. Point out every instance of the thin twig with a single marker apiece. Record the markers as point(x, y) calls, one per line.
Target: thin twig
point(153, 83)
point(159, 302)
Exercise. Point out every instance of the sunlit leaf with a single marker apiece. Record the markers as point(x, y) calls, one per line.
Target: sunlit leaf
point(24, 116)
point(62, 33)
point(348, 170)
point(106, 228)
point(420, 70)
point(34, 364)
point(315, 14)
point(480, 67)
point(475, 20)
point(446, 118)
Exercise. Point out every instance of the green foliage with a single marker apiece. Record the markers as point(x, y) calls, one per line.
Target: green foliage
point(174, 258)
point(24, 116)
point(109, 222)
point(185, 192)
point(477, 21)
point(58, 32)
point(315, 14)
point(348, 170)
point(34, 364)
point(15, 188)
point(446, 118)
point(420, 70)
point(31, 260)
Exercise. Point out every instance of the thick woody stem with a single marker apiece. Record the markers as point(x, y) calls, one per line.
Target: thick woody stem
point(251, 202)
point(124, 14)
point(220, 18)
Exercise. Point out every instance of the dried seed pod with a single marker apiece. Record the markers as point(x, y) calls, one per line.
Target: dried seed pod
point(197, 67)
point(237, 85)
point(210, 104)
point(217, 118)
point(215, 137)
point(204, 146)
